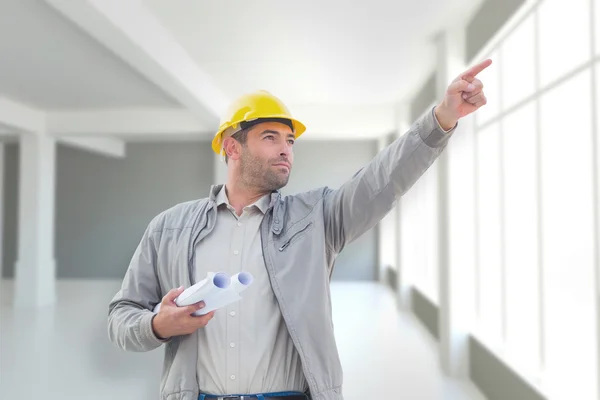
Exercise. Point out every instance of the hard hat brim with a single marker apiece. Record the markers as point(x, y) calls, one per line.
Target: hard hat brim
point(299, 129)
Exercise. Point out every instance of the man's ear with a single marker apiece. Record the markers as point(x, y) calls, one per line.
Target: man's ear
point(232, 148)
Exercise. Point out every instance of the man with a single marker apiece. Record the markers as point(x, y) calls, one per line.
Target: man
point(278, 341)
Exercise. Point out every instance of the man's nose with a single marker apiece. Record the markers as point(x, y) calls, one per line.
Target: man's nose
point(286, 150)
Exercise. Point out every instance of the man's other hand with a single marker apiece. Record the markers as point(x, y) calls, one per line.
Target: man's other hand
point(173, 320)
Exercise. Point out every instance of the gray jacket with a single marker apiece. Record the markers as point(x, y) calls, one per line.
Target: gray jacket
point(301, 237)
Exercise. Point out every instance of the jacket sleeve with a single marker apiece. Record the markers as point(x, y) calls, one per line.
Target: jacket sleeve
point(360, 203)
point(130, 311)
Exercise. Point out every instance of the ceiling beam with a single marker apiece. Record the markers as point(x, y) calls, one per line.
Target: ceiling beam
point(323, 122)
point(347, 122)
point(100, 145)
point(124, 122)
point(19, 117)
point(16, 118)
point(132, 32)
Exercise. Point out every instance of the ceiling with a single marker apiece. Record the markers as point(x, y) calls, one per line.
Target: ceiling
point(48, 63)
point(330, 60)
point(313, 51)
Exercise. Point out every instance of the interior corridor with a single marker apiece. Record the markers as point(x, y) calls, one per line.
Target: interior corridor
point(63, 352)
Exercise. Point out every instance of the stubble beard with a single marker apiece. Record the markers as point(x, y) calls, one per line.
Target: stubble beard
point(256, 173)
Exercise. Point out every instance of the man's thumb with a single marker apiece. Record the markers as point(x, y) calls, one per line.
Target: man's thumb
point(460, 86)
point(172, 294)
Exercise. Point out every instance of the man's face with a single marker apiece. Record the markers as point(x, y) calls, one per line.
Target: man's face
point(266, 160)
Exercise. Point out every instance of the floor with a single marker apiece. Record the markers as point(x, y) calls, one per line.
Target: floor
point(63, 352)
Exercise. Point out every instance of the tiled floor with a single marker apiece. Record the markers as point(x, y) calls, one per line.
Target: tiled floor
point(63, 352)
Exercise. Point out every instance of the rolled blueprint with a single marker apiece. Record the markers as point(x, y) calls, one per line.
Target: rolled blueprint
point(206, 288)
point(216, 290)
point(241, 281)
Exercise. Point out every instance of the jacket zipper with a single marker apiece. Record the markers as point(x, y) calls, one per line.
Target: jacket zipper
point(272, 279)
point(287, 243)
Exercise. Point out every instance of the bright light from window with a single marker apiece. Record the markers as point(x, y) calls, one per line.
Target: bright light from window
point(425, 229)
point(489, 259)
point(569, 287)
point(517, 64)
point(564, 37)
point(521, 239)
point(491, 79)
point(388, 240)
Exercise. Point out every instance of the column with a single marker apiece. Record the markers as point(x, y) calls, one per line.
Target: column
point(1, 206)
point(382, 231)
point(220, 170)
point(453, 287)
point(35, 270)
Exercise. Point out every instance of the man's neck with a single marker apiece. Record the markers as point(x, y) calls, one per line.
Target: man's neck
point(240, 197)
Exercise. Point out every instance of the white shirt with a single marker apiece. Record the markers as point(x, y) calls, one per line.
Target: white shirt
point(246, 347)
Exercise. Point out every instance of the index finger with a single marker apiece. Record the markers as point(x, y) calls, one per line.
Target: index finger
point(473, 71)
point(192, 308)
point(202, 320)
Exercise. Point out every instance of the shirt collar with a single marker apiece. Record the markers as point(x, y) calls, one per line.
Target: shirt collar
point(262, 204)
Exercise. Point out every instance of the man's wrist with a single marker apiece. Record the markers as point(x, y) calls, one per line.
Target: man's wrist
point(446, 122)
point(156, 329)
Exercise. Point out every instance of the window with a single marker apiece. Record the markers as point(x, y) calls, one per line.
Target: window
point(409, 236)
point(461, 203)
point(388, 240)
point(491, 79)
point(419, 234)
point(597, 138)
point(521, 261)
point(425, 233)
point(517, 66)
point(522, 205)
point(488, 222)
point(429, 233)
point(569, 284)
point(564, 37)
point(597, 26)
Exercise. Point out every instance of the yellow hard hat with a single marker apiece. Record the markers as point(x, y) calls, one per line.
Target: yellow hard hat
point(251, 107)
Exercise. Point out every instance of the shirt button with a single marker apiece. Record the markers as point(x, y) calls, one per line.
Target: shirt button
point(232, 377)
point(239, 224)
point(232, 344)
point(232, 313)
point(236, 252)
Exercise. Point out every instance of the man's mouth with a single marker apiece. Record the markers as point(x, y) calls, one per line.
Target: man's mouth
point(283, 165)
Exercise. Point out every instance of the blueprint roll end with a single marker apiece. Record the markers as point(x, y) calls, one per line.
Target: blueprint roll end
point(221, 280)
point(245, 278)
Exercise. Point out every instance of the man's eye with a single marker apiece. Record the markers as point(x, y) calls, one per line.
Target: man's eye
point(291, 142)
point(269, 137)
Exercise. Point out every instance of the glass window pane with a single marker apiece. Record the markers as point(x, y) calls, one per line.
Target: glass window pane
point(597, 136)
point(488, 223)
point(597, 25)
point(517, 64)
point(388, 240)
point(414, 235)
point(461, 203)
point(569, 309)
point(426, 237)
point(430, 238)
point(490, 77)
point(521, 239)
point(564, 37)
point(409, 237)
